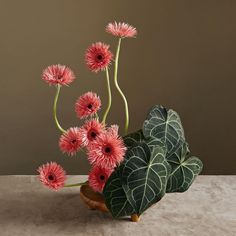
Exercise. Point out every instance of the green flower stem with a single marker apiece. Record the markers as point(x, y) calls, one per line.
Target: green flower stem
point(96, 115)
point(109, 97)
point(55, 109)
point(118, 87)
point(75, 185)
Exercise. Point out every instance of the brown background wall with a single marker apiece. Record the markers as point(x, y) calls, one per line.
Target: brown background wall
point(183, 58)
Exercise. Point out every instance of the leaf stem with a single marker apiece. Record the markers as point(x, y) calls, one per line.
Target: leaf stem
point(55, 109)
point(75, 185)
point(118, 87)
point(109, 97)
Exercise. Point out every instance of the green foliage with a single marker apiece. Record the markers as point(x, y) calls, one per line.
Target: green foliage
point(115, 196)
point(139, 182)
point(156, 163)
point(144, 176)
point(184, 170)
point(135, 138)
point(164, 125)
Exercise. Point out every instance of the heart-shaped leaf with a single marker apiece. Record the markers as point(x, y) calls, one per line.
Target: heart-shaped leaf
point(115, 197)
point(184, 171)
point(164, 125)
point(144, 176)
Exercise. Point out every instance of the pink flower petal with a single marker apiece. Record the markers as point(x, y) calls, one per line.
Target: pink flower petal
point(58, 74)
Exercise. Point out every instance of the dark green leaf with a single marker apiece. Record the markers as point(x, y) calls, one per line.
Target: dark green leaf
point(184, 171)
point(144, 176)
point(164, 125)
point(115, 197)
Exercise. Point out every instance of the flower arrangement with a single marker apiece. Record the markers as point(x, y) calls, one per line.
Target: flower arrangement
point(130, 173)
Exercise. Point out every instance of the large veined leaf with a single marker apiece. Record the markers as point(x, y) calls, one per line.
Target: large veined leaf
point(184, 171)
point(135, 138)
point(115, 197)
point(144, 176)
point(165, 125)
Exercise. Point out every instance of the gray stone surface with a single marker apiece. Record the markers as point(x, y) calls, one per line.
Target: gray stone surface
point(27, 208)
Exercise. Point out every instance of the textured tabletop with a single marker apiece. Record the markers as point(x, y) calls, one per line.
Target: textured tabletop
point(27, 208)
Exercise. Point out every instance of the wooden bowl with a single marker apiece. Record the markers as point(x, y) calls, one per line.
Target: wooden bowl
point(96, 201)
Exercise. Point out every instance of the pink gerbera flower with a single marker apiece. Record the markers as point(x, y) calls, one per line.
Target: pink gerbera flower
point(58, 74)
point(91, 130)
point(87, 105)
point(122, 30)
point(107, 150)
point(71, 141)
point(98, 56)
point(98, 177)
point(52, 175)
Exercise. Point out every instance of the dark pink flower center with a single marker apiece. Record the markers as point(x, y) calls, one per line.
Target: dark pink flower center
point(92, 135)
point(102, 177)
point(99, 57)
point(90, 106)
point(107, 149)
point(51, 177)
point(73, 141)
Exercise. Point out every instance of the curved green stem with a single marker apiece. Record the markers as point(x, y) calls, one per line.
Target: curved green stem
point(109, 97)
point(75, 185)
point(118, 87)
point(55, 109)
